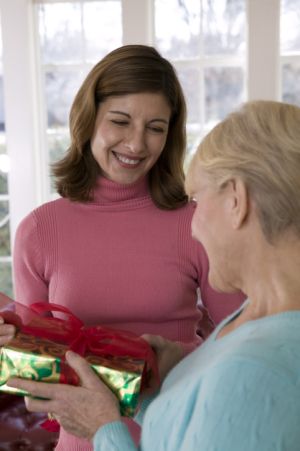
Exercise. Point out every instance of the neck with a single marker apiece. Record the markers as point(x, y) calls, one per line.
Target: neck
point(270, 279)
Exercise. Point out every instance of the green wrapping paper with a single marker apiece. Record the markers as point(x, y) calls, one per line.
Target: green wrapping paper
point(42, 359)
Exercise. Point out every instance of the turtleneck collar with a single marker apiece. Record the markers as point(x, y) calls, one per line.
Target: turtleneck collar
point(107, 191)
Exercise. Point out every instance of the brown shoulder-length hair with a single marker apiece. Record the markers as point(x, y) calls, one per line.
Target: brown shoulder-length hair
point(126, 70)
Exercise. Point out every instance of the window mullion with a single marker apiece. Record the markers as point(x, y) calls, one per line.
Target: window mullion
point(263, 49)
point(137, 21)
point(20, 108)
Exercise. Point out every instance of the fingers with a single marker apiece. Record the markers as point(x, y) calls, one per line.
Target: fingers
point(86, 374)
point(36, 389)
point(156, 341)
point(7, 332)
point(35, 405)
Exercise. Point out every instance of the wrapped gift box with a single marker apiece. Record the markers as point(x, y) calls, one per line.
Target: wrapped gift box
point(122, 360)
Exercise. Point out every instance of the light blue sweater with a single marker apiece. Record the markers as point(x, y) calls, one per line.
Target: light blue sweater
point(238, 393)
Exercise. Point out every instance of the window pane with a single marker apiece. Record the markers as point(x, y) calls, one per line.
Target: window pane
point(206, 41)
point(4, 229)
point(58, 143)
point(2, 120)
point(224, 25)
point(221, 25)
point(223, 92)
point(290, 26)
point(190, 80)
point(177, 27)
point(74, 35)
point(61, 88)
point(60, 32)
point(6, 278)
point(4, 165)
point(290, 83)
point(5, 248)
point(194, 136)
point(102, 22)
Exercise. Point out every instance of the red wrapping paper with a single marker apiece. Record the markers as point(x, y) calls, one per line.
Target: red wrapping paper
point(94, 340)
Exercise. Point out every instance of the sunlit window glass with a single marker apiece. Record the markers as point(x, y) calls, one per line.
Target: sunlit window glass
point(206, 42)
point(178, 28)
point(5, 244)
point(222, 83)
point(74, 35)
point(223, 27)
point(290, 50)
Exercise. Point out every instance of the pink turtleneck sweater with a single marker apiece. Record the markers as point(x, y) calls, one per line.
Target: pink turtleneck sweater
point(117, 261)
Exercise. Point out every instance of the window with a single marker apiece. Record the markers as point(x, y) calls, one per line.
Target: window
point(5, 248)
point(290, 51)
point(206, 42)
point(73, 36)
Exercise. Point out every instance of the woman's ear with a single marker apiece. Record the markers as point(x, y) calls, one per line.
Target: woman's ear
point(239, 202)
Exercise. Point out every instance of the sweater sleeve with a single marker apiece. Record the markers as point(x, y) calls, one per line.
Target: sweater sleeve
point(113, 436)
point(29, 267)
point(245, 405)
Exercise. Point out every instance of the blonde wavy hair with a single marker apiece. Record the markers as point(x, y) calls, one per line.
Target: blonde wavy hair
point(260, 143)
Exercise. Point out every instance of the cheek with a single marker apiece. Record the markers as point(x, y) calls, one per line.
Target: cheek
point(102, 137)
point(98, 145)
point(157, 146)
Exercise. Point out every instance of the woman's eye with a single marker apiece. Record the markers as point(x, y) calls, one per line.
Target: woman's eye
point(156, 129)
point(114, 121)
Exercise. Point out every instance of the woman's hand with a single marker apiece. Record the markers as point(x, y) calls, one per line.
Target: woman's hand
point(80, 410)
point(168, 353)
point(7, 332)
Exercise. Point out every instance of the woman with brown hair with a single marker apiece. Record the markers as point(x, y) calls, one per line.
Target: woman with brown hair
point(116, 247)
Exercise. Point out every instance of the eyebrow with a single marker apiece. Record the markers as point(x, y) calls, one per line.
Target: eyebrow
point(128, 116)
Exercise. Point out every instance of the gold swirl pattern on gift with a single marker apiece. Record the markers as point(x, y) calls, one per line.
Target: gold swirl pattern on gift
point(37, 345)
point(125, 385)
point(37, 358)
point(29, 357)
point(127, 363)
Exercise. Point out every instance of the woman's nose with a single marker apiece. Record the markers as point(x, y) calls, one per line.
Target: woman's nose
point(135, 142)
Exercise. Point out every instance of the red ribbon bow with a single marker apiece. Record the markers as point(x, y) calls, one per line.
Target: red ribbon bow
point(96, 340)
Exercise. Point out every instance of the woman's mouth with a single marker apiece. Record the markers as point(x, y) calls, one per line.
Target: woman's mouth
point(132, 162)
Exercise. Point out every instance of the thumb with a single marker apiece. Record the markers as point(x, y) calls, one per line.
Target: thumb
point(155, 341)
point(82, 368)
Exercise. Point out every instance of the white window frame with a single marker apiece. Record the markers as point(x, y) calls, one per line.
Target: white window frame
point(25, 124)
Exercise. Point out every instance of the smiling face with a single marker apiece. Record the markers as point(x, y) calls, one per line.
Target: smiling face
point(130, 134)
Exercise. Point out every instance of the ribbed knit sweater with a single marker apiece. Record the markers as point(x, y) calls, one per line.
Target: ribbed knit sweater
point(118, 261)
